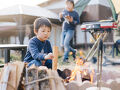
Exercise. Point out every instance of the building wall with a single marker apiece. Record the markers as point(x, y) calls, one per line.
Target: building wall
point(9, 35)
point(55, 36)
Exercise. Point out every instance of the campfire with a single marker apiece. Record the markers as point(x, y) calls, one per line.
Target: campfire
point(84, 76)
point(81, 71)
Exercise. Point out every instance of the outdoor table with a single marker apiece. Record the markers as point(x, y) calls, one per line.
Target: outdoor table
point(8, 47)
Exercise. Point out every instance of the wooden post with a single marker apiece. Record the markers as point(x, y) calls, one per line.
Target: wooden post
point(55, 59)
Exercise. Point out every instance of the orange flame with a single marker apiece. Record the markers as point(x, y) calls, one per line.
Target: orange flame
point(79, 68)
point(92, 74)
point(76, 69)
point(82, 54)
point(85, 72)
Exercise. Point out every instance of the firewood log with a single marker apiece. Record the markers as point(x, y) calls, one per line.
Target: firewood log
point(20, 74)
point(37, 79)
point(58, 81)
point(4, 78)
point(64, 74)
point(55, 60)
point(42, 74)
point(13, 77)
point(31, 75)
point(43, 78)
point(51, 80)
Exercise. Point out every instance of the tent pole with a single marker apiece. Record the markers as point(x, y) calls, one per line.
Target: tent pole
point(113, 10)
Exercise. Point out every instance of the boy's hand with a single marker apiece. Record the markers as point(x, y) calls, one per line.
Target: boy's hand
point(70, 19)
point(60, 15)
point(49, 56)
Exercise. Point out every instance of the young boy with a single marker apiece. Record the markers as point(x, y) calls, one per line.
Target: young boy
point(39, 51)
point(70, 19)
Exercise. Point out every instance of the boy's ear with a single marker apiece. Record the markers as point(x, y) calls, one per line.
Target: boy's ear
point(35, 31)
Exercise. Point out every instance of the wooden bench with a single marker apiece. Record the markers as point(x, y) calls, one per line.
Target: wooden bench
point(8, 47)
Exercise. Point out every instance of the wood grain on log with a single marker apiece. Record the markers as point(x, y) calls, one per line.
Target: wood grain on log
point(4, 78)
point(55, 60)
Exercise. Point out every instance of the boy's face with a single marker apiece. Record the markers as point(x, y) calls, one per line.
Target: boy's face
point(69, 6)
point(43, 33)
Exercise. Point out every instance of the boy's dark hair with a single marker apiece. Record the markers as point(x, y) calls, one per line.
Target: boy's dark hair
point(41, 22)
point(70, 1)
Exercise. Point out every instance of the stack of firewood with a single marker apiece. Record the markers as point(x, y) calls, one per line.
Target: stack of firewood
point(41, 78)
point(16, 76)
point(11, 76)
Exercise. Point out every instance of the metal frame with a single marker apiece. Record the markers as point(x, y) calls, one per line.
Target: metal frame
point(8, 47)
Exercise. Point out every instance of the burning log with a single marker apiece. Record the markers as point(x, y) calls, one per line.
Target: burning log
point(86, 76)
point(89, 77)
point(64, 74)
point(81, 72)
point(78, 77)
point(112, 82)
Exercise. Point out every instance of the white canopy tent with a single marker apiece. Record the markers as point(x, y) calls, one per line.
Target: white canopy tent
point(23, 14)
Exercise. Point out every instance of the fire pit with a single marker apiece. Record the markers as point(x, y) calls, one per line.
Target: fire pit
point(84, 77)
